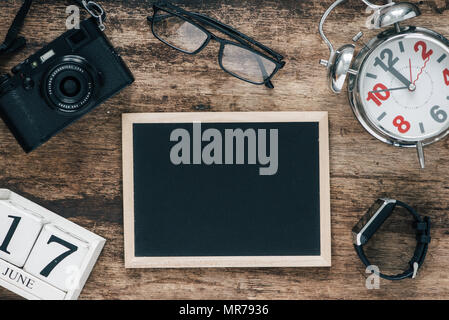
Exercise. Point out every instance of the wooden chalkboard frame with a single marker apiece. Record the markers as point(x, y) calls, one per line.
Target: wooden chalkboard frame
point(131, 261)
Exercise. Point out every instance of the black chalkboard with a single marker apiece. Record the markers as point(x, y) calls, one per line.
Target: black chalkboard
point(186, 206)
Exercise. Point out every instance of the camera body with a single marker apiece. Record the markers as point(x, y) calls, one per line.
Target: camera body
point(60, 83)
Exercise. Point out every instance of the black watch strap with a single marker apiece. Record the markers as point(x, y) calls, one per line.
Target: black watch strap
point(13, 42)
point(422, 228)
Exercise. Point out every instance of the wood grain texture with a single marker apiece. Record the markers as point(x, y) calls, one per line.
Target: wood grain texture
point(78, 173)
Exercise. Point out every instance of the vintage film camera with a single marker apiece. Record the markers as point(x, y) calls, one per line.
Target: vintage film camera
point(60, 83)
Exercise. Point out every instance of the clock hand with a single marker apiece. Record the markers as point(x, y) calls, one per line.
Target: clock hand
point(399, 76)
point(390, 68)
point(392, 89)
point(410, 65)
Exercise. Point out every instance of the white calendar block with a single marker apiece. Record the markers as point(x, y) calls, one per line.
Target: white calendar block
point(57, 258)
point(19, 229)
point(60, 258)
point(31, 287)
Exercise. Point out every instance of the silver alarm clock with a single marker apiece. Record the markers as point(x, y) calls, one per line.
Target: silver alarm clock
point(398, 84)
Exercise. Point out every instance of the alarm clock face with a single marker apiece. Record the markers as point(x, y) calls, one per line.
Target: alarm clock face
point(403, 86)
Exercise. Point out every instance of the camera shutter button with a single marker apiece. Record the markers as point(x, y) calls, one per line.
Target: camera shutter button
point(28, 83)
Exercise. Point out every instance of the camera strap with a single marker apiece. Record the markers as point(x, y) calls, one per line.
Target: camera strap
point(13, 42)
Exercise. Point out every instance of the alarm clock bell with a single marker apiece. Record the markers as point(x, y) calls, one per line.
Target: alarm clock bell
point(339, 62)
point(392, 13)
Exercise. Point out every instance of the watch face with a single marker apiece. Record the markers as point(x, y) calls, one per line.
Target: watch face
point(368, 215)
point(404, 87)
point(358, 229)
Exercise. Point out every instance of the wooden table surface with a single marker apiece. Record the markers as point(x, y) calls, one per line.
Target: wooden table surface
point(78, 174)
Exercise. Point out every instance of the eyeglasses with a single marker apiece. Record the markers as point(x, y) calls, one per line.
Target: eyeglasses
point(182, 31)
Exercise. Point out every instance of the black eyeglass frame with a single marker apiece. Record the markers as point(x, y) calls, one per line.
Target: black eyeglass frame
point(243, 41)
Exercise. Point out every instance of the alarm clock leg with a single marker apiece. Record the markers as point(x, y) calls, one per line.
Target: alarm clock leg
point(419, 148)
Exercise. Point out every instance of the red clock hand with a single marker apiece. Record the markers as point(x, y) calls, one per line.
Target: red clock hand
point(410, 64)
point(421, 71)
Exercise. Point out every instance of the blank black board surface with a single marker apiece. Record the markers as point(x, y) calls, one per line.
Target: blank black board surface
point(196, 214)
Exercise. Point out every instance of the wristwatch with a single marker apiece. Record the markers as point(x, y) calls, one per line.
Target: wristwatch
point(371, 222)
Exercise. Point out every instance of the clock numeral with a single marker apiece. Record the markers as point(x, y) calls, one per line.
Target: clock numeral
point(438, 115)
point(421, 127)
point(383, 115)
point(446, 76)
point(377, 97)
point(391, 61)
point(402, 125)
point(425, 53)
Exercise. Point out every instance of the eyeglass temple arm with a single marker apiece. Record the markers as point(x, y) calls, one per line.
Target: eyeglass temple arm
point(158, 18)
point(234, 32)
point(222, 27)
point(230, 30)
point(268, 83)
point(264, 72)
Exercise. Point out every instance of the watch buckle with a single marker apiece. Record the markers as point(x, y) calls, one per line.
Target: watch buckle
point(415, 269)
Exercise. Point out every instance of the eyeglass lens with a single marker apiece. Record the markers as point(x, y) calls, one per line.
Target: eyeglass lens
point(246, 64)
point(178, 32)
point(235, 59)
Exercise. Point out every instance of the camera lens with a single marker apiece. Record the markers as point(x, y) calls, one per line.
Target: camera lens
point(71, 84)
